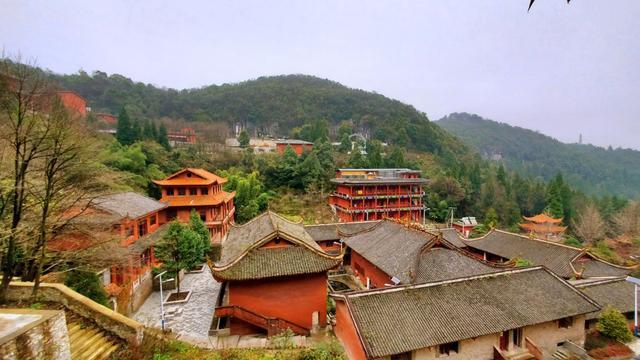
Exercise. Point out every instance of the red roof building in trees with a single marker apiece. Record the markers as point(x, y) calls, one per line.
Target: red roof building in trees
point(198, 189)
point(543, 226)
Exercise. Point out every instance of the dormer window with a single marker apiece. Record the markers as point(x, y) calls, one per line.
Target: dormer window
point(188, 174)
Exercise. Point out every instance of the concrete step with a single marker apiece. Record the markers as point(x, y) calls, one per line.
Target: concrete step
point(561, 354)
point(89, 343)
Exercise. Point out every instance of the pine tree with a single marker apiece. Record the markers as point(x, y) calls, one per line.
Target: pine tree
point(374, 154)
point(163, 138)
point(395, 159)
point(136, 131)
point(124, 130)
point(554, 199)
point(311, 171)
point(243, 138)
point(356, 160)
point(147, 130)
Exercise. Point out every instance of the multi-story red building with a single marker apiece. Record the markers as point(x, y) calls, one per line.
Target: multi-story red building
point(199, 190)
point(186, 136)
point(373, 194)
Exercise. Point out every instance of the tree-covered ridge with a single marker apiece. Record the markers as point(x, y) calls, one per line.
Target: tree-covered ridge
point(588, 168)
point(270, 105)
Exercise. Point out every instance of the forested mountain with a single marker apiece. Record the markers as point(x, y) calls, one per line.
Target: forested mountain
point(589, 168)
point(270, 105)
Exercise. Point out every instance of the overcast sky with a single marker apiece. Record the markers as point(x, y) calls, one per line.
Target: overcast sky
point(560, 69)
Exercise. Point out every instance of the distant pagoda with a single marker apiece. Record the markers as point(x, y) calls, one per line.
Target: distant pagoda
point(543, 226)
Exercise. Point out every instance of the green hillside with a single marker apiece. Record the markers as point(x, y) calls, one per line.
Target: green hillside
point(589, 168)
point(270, 105)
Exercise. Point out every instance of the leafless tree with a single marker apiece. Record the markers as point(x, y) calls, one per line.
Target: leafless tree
point(627, 220)
point(24, 94)
point(589, 225)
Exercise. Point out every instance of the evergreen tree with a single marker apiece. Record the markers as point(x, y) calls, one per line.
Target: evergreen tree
point(147, 130)
point(87, 283)
point(554, 198)
point(124, 131)
point(248, 159)
point(136, 130)
point(324, 152)
point(345, 144)
point(163, 139)
point(243, 138)
point(374, 154)
point(178, 249)
point(356, 160)
point(311, 171)
point(198, 226)
point(395, 159)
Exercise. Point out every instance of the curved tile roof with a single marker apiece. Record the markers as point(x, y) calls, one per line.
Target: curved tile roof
point(392, 247)
point(128, 204)
point(400, 319)
point(438, 264)
point(563, 260)
point(243, 258)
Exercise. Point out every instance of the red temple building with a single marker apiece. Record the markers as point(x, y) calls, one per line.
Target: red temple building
point(107, 119)
point(199, 190)
point(186, 136)
point(373, 194)
point(299, 146)
point(543, 226)
point(274, 278)
point(73, 102)
point(117, 231)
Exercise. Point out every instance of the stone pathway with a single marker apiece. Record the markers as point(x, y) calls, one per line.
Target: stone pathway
point(194, 320)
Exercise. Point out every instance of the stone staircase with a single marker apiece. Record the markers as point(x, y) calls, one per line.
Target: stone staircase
point(562, 354)
point(89, 343)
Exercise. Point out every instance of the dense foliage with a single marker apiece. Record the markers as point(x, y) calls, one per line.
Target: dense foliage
point(87, 283)
point(591, 169)
point(613, 325)
point(270, 105)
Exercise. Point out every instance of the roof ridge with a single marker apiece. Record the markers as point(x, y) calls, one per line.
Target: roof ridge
point(600, 282)
point(539, 240)
point(444, 282)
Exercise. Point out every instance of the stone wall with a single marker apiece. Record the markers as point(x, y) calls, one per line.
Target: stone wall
point(46, 338)
point(480, 348)
point(109, 320)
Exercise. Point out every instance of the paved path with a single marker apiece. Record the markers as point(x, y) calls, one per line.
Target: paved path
point(195, 319)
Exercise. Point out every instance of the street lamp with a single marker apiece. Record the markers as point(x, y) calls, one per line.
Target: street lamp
point(162, 321)
point(635, 282)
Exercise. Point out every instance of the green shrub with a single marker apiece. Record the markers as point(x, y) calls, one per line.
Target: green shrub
point(522, 262)
point(613, 325)
point(88, 284)
point(284, 340)
point(331, 350)
point(571, 241)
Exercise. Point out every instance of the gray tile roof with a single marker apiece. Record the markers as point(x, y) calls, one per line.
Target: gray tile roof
point(615, 292)
point(335, 231)
point(274, 262)
point(452, 236)
point(438, 264)
point(128, 204)
point(243, 258)
point(392, 247)
point(396, 320)
point(557, 257)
